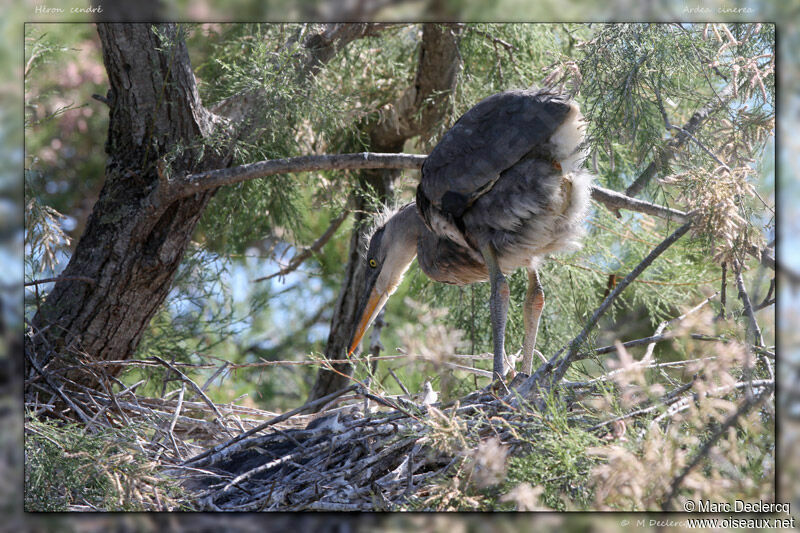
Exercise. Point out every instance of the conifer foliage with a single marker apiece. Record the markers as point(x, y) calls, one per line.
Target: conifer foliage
point(196, 199)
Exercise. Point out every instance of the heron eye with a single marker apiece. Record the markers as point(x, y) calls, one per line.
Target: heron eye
point(373, 263)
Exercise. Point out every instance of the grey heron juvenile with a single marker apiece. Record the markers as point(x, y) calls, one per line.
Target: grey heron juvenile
point(502, 188)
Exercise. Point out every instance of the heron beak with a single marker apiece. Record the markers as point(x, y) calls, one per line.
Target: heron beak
point(368, 310)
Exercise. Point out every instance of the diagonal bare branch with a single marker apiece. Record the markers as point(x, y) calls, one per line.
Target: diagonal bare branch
point(685, 133)
point(744, 408)
point(305, 253)
point(557, 366)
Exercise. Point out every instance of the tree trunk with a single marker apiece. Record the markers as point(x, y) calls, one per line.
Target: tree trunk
point(416, 111)
point(142, 221)
point(344, 314)
point(133, 241)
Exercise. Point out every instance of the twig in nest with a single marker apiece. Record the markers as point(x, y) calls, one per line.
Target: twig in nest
point(216, 373)
point(204, 458)
point(58, 390)
point(198, 390)
point(175, 421)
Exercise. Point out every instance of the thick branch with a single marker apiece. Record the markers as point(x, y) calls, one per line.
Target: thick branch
point(308, 163)
point(195, 183)
point(132, 245)
point(424, 102)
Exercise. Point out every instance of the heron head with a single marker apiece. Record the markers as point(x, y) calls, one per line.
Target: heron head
point(391, 250)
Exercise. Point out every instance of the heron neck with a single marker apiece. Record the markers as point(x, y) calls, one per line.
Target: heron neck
point(403, 231)
point(409, 227)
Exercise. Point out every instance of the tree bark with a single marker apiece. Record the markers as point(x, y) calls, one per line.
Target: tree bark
point(136, 236)
point(415, 112)
point(133, 241)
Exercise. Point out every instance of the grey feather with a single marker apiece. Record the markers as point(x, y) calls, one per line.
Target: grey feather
point(490, 138)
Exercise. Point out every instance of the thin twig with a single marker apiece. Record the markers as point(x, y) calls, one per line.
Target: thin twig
point(667, 152)
point(305, 253)
point(705, 149)
point(60, 278)
point(58, 390)
point(495, 40)
point(216, 373)
point(766, 302)
point(387, 403)
point(196, 388)
point(174, 421)
point(644, 340)
point(743, 409)
point(555, 368)
point(637, 364)
point(403, 387)
point(673, 398)
point(755, 331)
point(470, 369)
point(753, 328)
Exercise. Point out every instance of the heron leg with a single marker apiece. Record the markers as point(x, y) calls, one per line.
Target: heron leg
point(498, 305)
point(534, 303)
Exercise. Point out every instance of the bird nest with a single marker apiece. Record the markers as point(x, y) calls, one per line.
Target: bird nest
point(373, 453)
point(354, 450)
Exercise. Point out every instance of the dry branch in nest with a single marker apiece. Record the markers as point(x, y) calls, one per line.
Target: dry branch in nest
point(353, 457)
point(233, 458)
point(344, 460)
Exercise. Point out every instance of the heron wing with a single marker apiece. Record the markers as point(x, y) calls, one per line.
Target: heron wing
point(490, 138)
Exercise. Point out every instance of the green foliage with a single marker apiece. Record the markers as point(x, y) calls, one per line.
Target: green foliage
point(550, 468)
point(498, 57)
point(558, 462)
point(630, 80)
point(292, 117)
point(45, 237)
point(67, 468)
point(64, 127)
